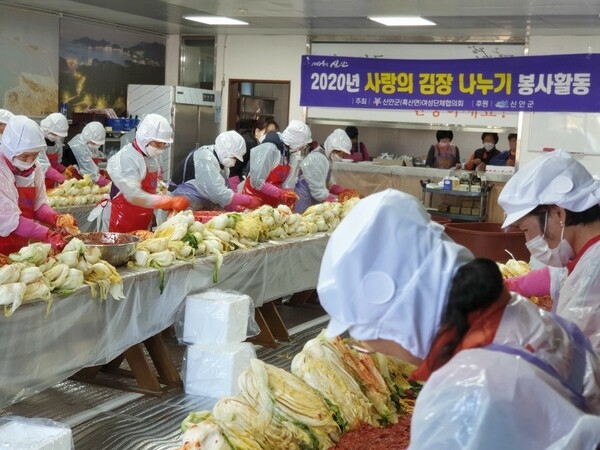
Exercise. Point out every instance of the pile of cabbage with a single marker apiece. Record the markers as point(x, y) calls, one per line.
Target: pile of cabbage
point(181, 237)
point(332, 389)
point(75, 192)
point(35, 275)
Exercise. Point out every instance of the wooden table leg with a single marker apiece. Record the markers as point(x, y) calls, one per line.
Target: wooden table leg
point(274, 321)
point(141, 369)
point(162, 360)
point(265, 337)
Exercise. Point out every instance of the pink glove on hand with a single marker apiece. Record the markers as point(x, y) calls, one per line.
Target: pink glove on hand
point(55, 175)
point(330, 198)
point(534, 284)
point(58, 166)
point(55, 240)
point(28, 228)
point(102, 181)
point(46, 214)
point(336, 189)
point(271, 190)
point(239, 202)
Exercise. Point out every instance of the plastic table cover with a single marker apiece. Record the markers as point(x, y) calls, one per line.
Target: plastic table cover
point(38, 352)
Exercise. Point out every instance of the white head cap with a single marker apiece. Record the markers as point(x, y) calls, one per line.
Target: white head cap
point(55, 123)
point(153, 128)
point(95, 132)
point(5, 115)
point(338, 140)
point(553, 178)
point(387, 271)
point(21, 135)
point(296, 135)
point(230, 144)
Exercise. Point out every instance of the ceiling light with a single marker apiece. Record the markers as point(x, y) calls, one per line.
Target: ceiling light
point(215, 20)
point(402, 21)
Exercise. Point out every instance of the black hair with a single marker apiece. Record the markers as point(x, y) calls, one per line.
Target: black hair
point(352, 132)
point(487, 133)
point(512, 136)
point(441, 134)
point(263, 122)
point(590, 215)
point(475, 285)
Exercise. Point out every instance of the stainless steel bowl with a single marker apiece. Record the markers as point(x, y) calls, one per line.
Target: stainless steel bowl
point(115, 248)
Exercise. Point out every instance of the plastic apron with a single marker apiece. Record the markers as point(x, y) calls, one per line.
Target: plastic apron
point(12, 242)
point(276, 177)
point(125, 217)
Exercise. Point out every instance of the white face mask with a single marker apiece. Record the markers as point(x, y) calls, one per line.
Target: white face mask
point(443, 144)
point(22, 165)
point(336, 158)
point(153, 151)
point(93, 147)
point(261, 138)
point(556, 257)
point(489, 145)
point(53, 138)
point(229, 162)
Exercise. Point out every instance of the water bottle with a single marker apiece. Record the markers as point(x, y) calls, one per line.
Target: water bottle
point(63, 108)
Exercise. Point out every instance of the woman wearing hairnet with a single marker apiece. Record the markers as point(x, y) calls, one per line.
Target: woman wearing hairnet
point(206, 187)
point(500, 372)
point(54, 127)
point(297, 138)
point(23, 202)
point(82, 153)
point(134, 173)
point(315, 184)
point(555, 201)
point(268, 162)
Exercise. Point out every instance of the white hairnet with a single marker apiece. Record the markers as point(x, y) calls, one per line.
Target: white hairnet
point(230, 144)
point(386, 272)
point(95, 132)
point(296, 135)
point(55, 123)
point(153, 128)
point(554, 178)
point(338, 140)
point(5, 115)
point(21, 135)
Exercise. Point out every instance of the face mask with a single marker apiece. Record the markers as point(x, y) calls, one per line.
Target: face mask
point(261, 138)
point(336, 158)
point(22, 165)
point(556, 257)
point(93, 147)
point(489, 145)
point(153, 151)
point(53, 138)
point(229, 162)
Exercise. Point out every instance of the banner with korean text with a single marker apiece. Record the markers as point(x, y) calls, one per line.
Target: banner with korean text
point(551, 83)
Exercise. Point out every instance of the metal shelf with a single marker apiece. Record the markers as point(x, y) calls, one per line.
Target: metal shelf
point(481, 195)
point(455, 192)
point(464, 217)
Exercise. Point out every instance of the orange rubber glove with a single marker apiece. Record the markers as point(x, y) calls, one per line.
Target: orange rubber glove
point(177, 203)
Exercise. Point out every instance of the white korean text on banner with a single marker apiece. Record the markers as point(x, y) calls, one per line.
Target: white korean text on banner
point(550, 83)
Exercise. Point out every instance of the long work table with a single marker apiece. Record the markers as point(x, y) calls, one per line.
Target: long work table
point(38, 352)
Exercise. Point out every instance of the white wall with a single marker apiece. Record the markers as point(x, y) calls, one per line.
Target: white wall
point(548, 45)
point(275, 58)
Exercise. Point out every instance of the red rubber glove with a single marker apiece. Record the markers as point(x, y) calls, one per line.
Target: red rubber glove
point(55, 175)
point(239, 202)
point(55, 240)
point(177, 203)
point(330, 198)
point(288, 198)
point(102, 181)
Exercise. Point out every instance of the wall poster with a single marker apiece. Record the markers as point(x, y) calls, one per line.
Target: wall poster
point(97, 63)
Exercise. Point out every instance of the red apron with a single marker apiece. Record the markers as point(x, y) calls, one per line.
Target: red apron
point(13, 243)
point(125, 217)
point(276, 177)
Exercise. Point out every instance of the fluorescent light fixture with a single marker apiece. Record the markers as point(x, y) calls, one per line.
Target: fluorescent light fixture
point(402, 21)
point(215, 20)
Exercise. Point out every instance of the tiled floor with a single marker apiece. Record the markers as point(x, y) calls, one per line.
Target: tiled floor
point(103, 418)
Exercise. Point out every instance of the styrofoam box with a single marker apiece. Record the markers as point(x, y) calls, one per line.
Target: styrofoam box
point(27, 435)
point(213, 371)
point(216, 317)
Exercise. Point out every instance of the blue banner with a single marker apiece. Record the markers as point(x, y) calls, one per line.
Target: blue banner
point(551, 83)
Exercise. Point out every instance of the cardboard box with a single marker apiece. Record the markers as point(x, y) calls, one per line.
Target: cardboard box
point(213, 371)
point(466, 211)
point(475, 211)
point(455, 209)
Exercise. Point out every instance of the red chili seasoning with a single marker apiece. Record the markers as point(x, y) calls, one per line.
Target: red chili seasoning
point(367, 437)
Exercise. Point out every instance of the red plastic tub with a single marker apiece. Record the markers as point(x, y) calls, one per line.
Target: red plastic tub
point(205, 216)
point(488, 240)
point(441, 220)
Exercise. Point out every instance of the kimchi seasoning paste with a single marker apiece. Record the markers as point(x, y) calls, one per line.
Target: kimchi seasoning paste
point(367, 437)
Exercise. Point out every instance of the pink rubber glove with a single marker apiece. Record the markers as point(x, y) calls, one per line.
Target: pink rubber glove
point(330, 198)
point(534, 284)
point(336, 189)
point(58, 166)
point(102, 181)
point(28, 228)
point(271, 190)
point(239, 202)
point(46, 214)
point(55, 240)
point(55, 175)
